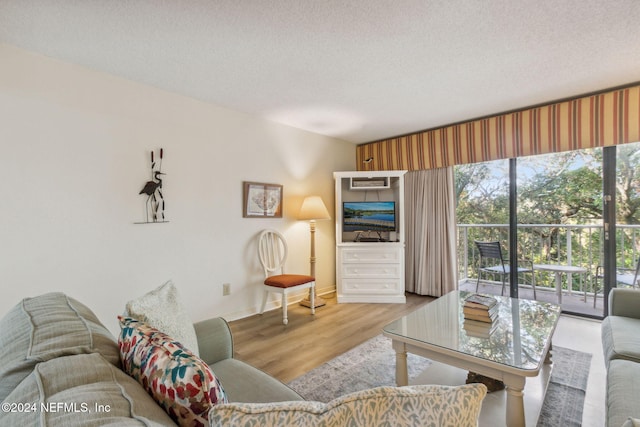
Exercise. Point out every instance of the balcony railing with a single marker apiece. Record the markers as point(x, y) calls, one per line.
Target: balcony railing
point(579, 245)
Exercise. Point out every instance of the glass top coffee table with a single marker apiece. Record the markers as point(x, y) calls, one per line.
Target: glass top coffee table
point(515, 348)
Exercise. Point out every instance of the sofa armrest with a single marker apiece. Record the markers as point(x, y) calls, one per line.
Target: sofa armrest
point(214, 340)
point(624, 302)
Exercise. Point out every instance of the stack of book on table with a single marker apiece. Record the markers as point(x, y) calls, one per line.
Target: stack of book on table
point(480, 314)
point(482, 308)
point(474, 328)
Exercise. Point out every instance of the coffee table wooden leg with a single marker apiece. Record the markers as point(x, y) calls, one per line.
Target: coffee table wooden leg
point(548, 358)
point(515, 401)
point(402, 374)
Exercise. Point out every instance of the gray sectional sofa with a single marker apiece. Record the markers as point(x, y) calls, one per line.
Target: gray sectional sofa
point(621, 346)
point(62, 367)
point(57, 353)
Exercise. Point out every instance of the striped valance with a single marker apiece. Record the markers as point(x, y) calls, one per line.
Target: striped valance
point(605, 119)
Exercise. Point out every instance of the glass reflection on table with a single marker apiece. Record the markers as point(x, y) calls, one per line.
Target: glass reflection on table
point(519, 339)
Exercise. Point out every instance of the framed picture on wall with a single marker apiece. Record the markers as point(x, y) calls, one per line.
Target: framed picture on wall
point(261, 200)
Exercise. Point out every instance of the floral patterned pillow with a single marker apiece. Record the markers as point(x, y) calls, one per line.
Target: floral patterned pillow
point(179, 381)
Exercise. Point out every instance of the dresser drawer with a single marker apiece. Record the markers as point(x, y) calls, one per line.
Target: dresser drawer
point(372, 255)
point(362, 270)
point(356, 286)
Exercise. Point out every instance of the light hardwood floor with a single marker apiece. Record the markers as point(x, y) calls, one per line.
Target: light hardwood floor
point(286, 352)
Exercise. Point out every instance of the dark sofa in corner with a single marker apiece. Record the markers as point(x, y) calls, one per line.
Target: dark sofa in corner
point(621, 346)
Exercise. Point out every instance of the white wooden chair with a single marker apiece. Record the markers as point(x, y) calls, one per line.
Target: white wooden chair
point(272, 250)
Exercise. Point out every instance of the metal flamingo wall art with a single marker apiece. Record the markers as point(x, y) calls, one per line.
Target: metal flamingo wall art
point(155, 204)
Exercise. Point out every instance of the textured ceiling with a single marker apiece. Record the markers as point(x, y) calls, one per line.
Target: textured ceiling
point(360, 70)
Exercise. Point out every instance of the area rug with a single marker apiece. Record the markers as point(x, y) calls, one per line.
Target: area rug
point(564, 400)
point(372, 364)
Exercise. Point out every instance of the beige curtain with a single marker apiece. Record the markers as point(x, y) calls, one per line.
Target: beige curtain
point(431, 263)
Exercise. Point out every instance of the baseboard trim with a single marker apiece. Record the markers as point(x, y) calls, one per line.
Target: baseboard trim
point(274, 303)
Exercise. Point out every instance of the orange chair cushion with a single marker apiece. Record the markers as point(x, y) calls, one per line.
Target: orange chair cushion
point(288, 280)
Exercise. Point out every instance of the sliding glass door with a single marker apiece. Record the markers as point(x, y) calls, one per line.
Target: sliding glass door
point(559, 224)
point(579, 210)
point(621, 219)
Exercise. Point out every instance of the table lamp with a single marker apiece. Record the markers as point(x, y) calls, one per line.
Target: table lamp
point(312, 210)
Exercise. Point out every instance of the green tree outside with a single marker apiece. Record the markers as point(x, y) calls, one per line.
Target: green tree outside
point(554, 190)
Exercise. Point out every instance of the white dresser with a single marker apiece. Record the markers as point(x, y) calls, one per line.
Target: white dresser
point(370, 271)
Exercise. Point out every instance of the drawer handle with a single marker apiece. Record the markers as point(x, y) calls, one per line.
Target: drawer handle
point(386, 286)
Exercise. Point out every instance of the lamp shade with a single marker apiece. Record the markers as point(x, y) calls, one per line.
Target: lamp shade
point(313, 208)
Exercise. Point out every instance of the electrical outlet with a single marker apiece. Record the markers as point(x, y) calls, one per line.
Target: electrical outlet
point(226, 289)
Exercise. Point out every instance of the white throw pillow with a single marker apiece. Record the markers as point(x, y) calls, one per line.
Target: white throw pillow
point(163, 309)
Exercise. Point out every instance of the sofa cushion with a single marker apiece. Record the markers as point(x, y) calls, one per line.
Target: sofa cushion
point(623, 388)
point(426, 405)
point(620, 338)
point(163, 309)
point(45, 327)
point(245, 383)
point(81, 390)
point(177, 379)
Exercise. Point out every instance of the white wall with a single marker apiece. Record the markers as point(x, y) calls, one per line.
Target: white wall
point(74, 155)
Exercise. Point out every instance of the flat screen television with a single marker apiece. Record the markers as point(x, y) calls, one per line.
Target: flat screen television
point(369, 216)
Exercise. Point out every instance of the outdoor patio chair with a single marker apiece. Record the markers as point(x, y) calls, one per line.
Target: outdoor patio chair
point(492, 261)
point(624, 276)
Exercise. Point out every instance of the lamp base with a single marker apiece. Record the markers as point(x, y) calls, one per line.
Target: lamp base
point(318, 302)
